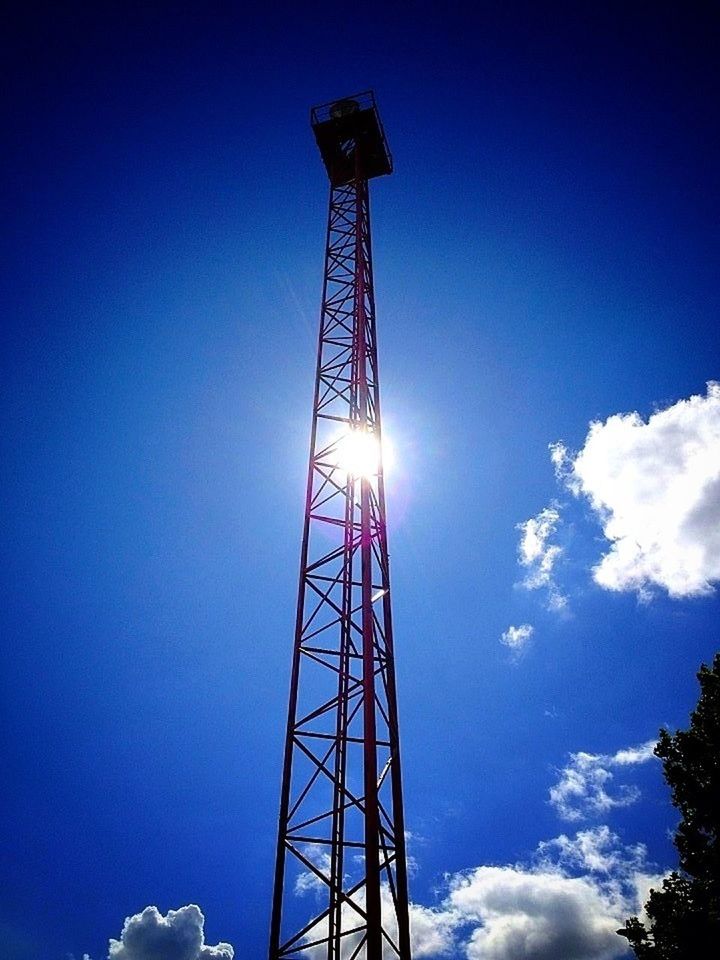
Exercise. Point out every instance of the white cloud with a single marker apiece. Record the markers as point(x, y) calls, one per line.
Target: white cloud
point(179, 935)
point(536, 915)
point(587, 784)
point(539, 556)
point(640, 754)
point(597, 850)
point(655, 487)
point(517, 638)
point(432, 931)
point(567, 902)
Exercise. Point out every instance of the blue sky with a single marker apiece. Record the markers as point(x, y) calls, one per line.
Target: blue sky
point(545, 257)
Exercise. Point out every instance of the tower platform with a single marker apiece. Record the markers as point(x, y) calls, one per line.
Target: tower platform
point(345, 126)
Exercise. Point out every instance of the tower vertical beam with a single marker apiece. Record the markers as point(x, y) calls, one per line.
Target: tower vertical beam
point(340, 888)
point(372, 815)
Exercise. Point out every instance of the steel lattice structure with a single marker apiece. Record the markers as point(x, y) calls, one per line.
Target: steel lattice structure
point(341, 832)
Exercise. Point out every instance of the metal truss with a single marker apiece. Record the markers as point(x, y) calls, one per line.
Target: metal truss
point(341, 877)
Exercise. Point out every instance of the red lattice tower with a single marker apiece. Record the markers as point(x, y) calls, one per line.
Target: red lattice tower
point(341, 873)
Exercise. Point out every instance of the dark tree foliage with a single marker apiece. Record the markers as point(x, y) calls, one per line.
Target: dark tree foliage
point(684, 916)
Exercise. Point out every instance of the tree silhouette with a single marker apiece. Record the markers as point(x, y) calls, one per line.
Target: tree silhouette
point(684, 916)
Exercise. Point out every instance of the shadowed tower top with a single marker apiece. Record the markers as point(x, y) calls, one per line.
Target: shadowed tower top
point(345, 126)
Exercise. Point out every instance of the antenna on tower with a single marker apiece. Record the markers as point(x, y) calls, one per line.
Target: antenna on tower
point(341, 832)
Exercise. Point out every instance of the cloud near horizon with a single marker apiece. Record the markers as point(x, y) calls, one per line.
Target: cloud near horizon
point(654, 486)
point(587, 787)
point(179, 935)
point(567, 901)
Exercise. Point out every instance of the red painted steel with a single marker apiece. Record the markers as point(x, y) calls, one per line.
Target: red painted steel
point(341, 874)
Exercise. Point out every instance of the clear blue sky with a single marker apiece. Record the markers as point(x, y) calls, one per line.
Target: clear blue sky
point(545, 255)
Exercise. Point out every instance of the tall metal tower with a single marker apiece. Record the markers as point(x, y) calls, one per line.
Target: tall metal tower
point(341, 874)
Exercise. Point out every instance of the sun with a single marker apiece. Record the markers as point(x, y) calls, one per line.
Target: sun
point(358, 454)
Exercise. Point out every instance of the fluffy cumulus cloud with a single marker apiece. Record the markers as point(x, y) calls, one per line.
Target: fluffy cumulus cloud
point(179, 935)
point(655, 487)
point(567, 901)
point(517, 638)
point(538, 915)
point(539, 555)
point(588, 785)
